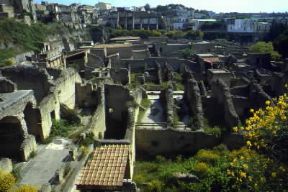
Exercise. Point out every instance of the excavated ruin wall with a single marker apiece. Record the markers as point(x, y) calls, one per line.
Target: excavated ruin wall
point(28, 77)
point(120, 76)
point(170, 141)
point(86, 95)
point(65, 87)
point(63, 92)
point(173, 142)
point(193, 96)
point(98, 121)
point(258, 95)
point(224, 98)
point(140, 64)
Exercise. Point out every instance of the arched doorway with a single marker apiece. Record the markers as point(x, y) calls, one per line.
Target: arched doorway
point(11, 137)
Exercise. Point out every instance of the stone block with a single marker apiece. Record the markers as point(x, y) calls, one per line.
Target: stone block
point(6, 165)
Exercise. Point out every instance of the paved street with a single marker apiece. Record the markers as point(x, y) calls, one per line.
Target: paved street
point(41, 169)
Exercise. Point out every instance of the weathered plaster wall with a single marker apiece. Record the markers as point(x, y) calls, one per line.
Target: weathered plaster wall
point(28, 77)
point(120, 76)
point(86, 95)
point(224, 99)
point(98, 121)
point(65, 87)
point(170, 141)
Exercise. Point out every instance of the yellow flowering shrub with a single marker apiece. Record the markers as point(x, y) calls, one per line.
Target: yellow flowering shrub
point(7, 181)
point(24, 188)
point(266, 130)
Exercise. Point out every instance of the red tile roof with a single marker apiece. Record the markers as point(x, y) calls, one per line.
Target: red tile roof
point(106, 169)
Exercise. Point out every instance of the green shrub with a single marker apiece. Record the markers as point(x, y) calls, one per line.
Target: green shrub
point(207, 156)
point(145, 103)
point(216, 131)
point(201, 168)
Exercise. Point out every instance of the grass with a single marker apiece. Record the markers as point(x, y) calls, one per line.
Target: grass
point(5, 55)
point(145, 103)
point(178, 82)
point(156, 87)
point(216, 131)
point(61, 128)
point(134, 82)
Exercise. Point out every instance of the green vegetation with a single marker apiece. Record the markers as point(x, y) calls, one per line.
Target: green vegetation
point(178, 82)
point(8, 184)
point(134, 81)
point(214, 170)
point(176, 118)
point(7, 181)
point(278, 34)
point(213, 131)
point(24, 188)
point(177, 34)
point(5, 57)
point(263, 47)
point(187, 53)
point(156, 87)
point(145, 104)
point(25, 37)
point(266, 131)
point(61, 128)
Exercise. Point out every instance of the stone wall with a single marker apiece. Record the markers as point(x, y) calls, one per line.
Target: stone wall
point(6, 86)
point(258, 95)
point(193, 97)
point(86, 95)
point(172, 50)
point(94, 61)
point(65, 87)
point(175, 63)
point(161, 141)
point(120, 76)
point(174, 142)
point(221, 92)
point(117, 102)
point(28, 77)
point(98, 121)
point(124, 52)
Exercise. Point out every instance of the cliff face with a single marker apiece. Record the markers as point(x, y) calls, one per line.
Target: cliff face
point(17, 38)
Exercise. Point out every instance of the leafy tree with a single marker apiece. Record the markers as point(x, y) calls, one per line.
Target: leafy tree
point(147, 7)
point(281, 44)
point(263, 47)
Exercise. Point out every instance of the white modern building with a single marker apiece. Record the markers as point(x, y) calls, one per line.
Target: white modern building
point(247, 26)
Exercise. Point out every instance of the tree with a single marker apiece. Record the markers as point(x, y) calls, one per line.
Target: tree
point(147, 7)
point(281, 44)
point(263, 47)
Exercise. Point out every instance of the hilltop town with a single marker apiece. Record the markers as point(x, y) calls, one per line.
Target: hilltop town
point(103, 98)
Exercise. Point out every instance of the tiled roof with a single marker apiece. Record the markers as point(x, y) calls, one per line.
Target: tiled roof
point(106, 169)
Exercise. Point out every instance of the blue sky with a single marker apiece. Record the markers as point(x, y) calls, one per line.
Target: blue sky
point(213, 5)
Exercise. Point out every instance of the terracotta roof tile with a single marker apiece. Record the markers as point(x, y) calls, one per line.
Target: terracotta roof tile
point(106, 168)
